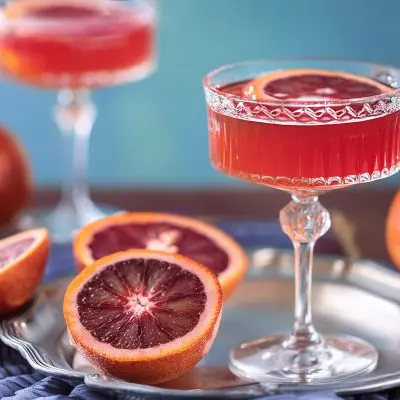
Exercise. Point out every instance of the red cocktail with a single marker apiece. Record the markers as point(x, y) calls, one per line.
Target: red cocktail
point(76, 43)
point(73, 46)
point(306, 127)
point(322, 149)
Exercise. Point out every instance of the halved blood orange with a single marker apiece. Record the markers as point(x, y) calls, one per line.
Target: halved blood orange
point(143, 316)
point(165, 232)
point(312, 85)
point(23, 259)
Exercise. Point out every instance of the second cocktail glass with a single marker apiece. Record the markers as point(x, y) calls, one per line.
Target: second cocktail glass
point(74, 46)
point(305, 127)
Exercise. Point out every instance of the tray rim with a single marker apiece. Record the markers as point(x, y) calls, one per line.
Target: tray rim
point(37, 361)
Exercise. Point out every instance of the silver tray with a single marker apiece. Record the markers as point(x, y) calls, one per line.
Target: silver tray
point(360, 298)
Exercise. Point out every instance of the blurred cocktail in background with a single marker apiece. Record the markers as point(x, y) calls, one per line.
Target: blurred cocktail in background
point(73, 47)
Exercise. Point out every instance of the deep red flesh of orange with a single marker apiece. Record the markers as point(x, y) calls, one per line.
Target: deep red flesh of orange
point(14, 250)
point(327, 87)
point(139, 304)
point(159, 236)
point(63, 11)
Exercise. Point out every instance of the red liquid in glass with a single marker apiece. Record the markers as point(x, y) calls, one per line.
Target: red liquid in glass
point(299, 156)
point(71, 43)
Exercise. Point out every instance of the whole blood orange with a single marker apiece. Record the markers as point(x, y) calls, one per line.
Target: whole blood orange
point(165, 232)
point(393, 230)
point(143, 316)
point(311, 85)
point(15, 179)
point(23, 259)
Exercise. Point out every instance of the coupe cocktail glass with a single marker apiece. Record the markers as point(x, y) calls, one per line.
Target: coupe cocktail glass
point(74, 46)
point(305, 146)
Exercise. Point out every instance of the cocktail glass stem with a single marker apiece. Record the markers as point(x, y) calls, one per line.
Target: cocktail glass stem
point(304, 220)
point(304, 355)
point(75, 115)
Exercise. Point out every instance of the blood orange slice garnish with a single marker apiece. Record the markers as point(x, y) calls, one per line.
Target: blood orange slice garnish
point(312, 85)
point(165, 232)
point(58, 9)
point(23, 259)
point(143, 316)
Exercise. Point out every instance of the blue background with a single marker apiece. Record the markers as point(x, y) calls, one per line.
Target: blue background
point(154, 133)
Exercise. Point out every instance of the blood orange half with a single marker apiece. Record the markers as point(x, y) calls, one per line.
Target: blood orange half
point(143, 316)
point(312, 85)
point(23, 259)
point(164, 232)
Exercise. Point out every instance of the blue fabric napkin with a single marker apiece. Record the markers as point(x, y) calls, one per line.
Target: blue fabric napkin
point(18, 381)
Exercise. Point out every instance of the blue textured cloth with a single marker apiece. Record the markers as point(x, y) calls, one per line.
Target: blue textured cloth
point(18, 381)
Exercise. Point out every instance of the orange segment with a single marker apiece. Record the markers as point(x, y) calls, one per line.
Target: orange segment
point(312, 85)
point(23, 259)
point(164, 232)
point(143, 316)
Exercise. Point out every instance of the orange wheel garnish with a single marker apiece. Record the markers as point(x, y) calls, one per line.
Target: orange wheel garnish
point(143, 316)
point(312, 85)
point(165, 232)
point(23, 259)
point(26, 8)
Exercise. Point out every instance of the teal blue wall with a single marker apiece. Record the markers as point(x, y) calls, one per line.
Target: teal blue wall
point(154, 132)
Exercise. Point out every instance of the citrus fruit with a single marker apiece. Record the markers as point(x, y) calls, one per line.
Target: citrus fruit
point(15, 180)
point(23, 259)
point(143, 316)
point(312, 85)
point(165, 232)
point(393, 230)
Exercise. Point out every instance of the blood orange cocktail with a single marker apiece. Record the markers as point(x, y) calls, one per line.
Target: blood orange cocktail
point(317, 146)
point(305, 126)
point(74, 46)
point(76, 43)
